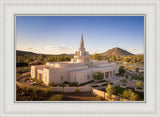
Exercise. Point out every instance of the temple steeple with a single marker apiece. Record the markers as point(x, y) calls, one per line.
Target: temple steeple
point(81, 56)
point(82, 42)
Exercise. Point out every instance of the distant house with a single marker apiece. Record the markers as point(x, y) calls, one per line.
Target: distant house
point(80, 69)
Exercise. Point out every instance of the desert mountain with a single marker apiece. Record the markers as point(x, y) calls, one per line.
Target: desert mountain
point(116, 51)
point(19, 52)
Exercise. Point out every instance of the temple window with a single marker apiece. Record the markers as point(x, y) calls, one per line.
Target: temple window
point(110, 73)
point(68, 78)
point(88, 77)
point(61, 77)
point(75, 79)
point(107, 74)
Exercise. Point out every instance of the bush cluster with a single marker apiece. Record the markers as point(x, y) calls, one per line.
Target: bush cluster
point(136, 77)
point(82, 84)
point(33, 94)
point(57, 97)
point(129, 94)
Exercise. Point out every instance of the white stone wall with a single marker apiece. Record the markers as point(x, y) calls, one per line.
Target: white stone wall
point(33, 72)
point(34, 69)
point(58, 76)
point(45, 76)
point(71, 89)
point(105, 95)
point(81, 77)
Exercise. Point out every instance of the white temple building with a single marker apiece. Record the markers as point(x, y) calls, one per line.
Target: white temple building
point(80, 69)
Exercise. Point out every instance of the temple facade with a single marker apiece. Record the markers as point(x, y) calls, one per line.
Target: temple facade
point(80, 69)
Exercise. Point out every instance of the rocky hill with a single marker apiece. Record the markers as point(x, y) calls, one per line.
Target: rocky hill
point(116, 51)
point(19, 52)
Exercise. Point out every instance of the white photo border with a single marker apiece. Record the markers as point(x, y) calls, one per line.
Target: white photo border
point(10, 8)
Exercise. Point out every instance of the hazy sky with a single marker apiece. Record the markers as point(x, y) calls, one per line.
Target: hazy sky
point(62, 34)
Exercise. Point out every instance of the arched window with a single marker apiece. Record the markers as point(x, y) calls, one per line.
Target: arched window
point(75, 79)
point(88, 77)
point(107, 74)
point(69, 78)
point(61, 78)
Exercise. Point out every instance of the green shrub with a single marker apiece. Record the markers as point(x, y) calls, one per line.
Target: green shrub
point(121, 70)
point(28, 75)
point(29, 90)
point(38, 82)
point(17, 74)
point(124, 81)
point(18, 79)
point(136, 77)
point(82, 84)
point(100, 81)
point(61, 84)
point(48, 92)
point(133, 97)
point(21, 64)
point(77, 90)
point(73, 84)
point(98, 76)
point(51, 84)
point(139, 84)
point(66, 82)
point(129, 94)
point(57, 97)
point(110, 90)
point(26, 79)
point(99, 98)
point(37, 91)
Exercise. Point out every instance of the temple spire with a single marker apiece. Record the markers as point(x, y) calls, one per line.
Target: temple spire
point(82, 42)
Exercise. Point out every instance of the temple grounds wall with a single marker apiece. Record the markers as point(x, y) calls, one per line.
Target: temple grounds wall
point(71, 89)
point(105, 95)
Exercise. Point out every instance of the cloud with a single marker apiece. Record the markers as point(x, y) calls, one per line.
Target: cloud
point(135, 51)
point(50, 49)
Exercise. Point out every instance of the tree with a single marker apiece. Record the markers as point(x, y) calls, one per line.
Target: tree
point(133, 97)
point(51, 59)
point(29, 90)
point(51, 84)
point(37, 92)
point(121, 70)
point(96, 56)
point(110, 90)
point(49, 92)
point(77, 90)
point(139, 84)
point(127, 93)
point(98, 76)
point(126, 76)
point(57, 97)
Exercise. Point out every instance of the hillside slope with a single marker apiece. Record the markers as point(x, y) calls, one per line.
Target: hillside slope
point(116, 51)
